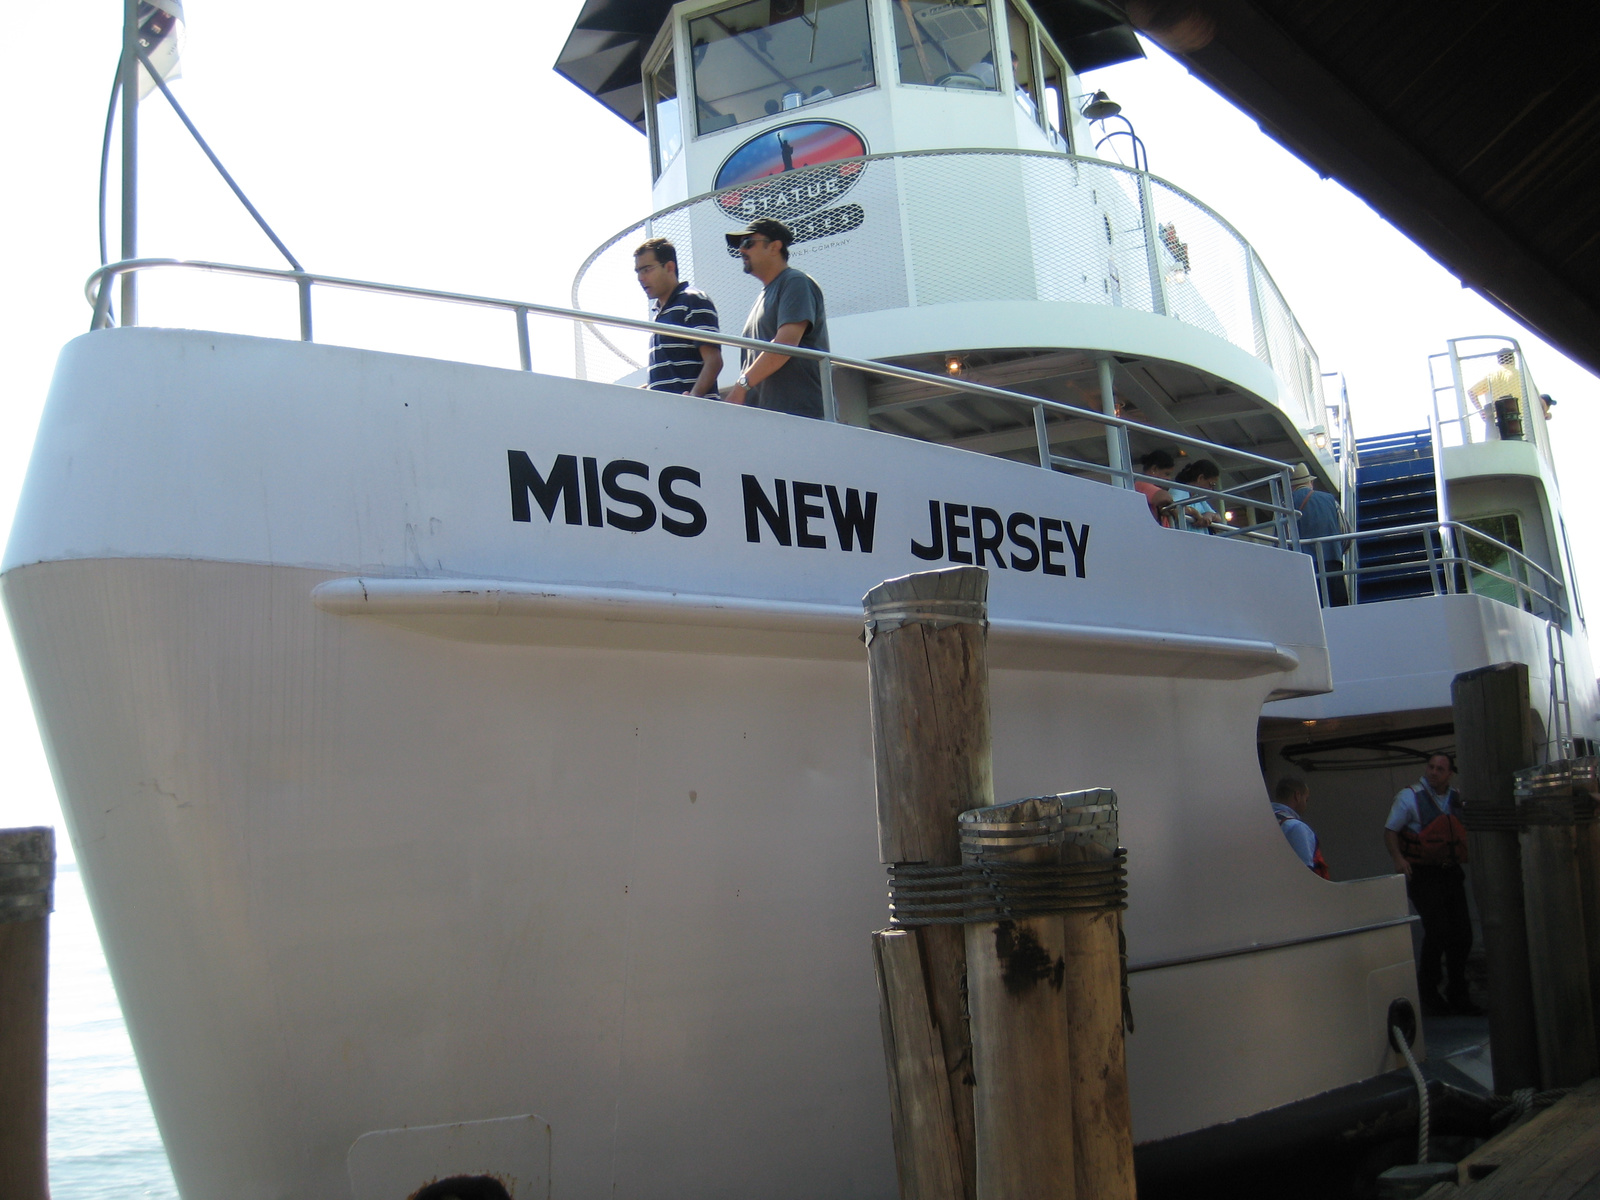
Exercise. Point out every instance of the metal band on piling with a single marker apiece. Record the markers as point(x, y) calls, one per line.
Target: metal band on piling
point(27, 873)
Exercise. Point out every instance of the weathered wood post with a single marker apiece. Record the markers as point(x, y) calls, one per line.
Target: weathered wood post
point(1102, 1117)
point(1494, 740)
point(1563, 1007)
point(1586, 782)
point(1016, 989)
point(27, 872)
point(928, 675)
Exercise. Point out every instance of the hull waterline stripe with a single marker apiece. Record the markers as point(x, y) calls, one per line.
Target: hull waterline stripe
point(389, 597)
point(1161, 964)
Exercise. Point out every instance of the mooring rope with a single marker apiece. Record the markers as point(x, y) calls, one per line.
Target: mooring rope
point(1399, 1039)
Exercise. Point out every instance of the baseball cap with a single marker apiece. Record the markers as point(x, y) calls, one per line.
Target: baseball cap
point(766, 227)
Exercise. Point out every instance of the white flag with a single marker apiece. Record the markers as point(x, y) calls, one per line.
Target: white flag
point(160, 35)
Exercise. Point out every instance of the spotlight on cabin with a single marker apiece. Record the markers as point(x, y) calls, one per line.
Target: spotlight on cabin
point(1100, 106)
point(955, 365)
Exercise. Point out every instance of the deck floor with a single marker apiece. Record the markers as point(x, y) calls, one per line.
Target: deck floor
point(1553, 1155)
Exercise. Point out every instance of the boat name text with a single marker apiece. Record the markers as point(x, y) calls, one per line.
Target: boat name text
point(795, 513)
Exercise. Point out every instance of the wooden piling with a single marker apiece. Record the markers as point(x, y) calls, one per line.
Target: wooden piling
point(929, 682)
point(27, 872)
point(1102, 1116)
point(1586, 782)
point(1494, 740)
point(1563, 1006)
point(927, 1152)
point(1016, 989)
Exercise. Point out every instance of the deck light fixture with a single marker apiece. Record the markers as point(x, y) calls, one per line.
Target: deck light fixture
point(955, 365)
point(1100, 106)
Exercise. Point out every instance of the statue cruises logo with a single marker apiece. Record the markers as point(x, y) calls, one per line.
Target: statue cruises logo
point(794, 173)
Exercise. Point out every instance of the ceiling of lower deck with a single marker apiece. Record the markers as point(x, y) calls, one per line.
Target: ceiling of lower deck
point(1473, 126)
point(1163, 397)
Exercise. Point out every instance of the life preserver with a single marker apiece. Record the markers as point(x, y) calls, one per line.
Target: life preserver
point(1319, 865)
point(1442, 839)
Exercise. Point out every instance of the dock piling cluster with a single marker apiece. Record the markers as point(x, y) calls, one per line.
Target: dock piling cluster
point(1001, 977)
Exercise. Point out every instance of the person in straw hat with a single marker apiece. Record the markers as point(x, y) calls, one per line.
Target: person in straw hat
point(1320, 517)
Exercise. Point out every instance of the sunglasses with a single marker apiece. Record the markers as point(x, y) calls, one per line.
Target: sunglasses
point(753, 240)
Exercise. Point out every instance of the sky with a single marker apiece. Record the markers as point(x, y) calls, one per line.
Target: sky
point(434, 146)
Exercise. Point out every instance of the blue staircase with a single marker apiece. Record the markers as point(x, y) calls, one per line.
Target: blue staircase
point(1395, 488)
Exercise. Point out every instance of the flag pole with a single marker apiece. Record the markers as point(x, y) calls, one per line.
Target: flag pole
point(130, 155)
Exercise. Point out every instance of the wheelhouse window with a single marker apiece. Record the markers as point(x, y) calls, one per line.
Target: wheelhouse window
point(1022, 68)
point(763, 57)
point(1492, 568)
point(666, 126)
point(1055, 96)
point(945, 45)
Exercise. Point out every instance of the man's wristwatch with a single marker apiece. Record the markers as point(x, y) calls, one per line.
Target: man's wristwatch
point(743, 381)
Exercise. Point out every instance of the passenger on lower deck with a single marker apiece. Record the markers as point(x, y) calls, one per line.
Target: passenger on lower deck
point(1289, 800)
point(1160, 464)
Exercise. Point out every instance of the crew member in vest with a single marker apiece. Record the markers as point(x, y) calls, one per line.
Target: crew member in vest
point(1289, 800)
point(789, 311)
point(677, 364)
point(1428, 845)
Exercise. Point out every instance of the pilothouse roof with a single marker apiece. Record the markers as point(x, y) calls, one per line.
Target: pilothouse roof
point(604, 53)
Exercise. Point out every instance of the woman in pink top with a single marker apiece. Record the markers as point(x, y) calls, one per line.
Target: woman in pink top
point(1158, 463)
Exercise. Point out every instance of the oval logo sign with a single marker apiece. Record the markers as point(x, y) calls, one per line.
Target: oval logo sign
point(764, 161)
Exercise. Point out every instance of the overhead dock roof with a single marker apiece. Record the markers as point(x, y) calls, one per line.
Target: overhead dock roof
point(1473, 126)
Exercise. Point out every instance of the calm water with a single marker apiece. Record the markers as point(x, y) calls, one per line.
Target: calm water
point(103, 1139)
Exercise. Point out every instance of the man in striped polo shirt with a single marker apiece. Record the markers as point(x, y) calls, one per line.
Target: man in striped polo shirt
point(677, 364)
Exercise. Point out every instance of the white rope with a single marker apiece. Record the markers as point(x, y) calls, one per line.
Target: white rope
point(1399, 1039)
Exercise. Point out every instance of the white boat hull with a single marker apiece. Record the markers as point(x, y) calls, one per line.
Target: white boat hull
point(373, 843)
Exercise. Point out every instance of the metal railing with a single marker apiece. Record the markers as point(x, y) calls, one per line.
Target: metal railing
point(1447, 572)
point(1479, 382)
point(1280, 516)
point(918, 228)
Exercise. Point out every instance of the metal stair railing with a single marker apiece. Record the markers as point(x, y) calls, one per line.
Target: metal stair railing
point(1442, 563)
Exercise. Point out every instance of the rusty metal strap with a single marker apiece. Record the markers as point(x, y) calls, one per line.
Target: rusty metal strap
point(988, 891)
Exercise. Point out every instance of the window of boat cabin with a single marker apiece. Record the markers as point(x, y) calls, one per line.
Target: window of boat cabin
point(763, 57)
point(1020, 31)
point(1485, 557)
point(661, 102)
point(1038, 70)
point(945, 45)
point(1055, 95)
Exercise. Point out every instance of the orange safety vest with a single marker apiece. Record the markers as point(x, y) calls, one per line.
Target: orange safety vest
point(1442, 840)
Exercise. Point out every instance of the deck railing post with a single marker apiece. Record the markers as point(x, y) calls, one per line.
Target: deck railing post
point(304, 287)
point(1158, 277)
point(1042, 435)
point(524, 346)
point(830, 402)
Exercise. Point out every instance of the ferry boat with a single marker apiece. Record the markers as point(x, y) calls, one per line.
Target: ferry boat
point(470, 768)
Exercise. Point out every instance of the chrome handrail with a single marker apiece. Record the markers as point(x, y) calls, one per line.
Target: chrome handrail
point(97, 289)
point(1438, 562)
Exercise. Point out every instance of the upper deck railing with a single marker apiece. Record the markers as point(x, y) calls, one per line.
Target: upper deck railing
point(908, 230)
point(1267, 494)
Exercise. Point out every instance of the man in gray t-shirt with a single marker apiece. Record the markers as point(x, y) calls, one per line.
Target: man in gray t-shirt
point(789, 311)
